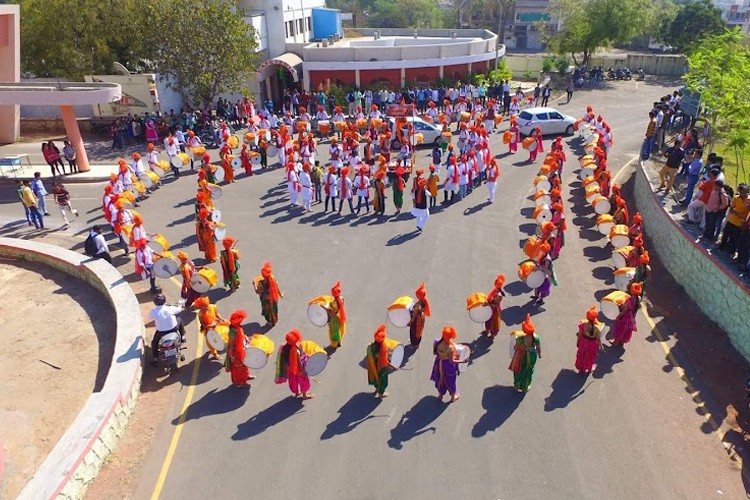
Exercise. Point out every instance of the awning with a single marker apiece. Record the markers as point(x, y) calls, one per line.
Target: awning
point(288, 60)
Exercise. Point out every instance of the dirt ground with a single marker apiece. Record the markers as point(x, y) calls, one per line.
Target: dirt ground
point(50, 364)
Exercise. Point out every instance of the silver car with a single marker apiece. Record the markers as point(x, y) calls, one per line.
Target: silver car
point(549, 120)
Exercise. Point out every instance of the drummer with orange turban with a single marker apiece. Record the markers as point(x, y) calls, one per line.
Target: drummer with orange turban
point(378, 199)
point(267, 289)
point(378, 363)
point(234, 363)
point(336, 317)
point(495, 303)
point(589, 342)
point(544, 261)
point(206, 235)
point(525, 350)
point(419, 311)
point(625, 324)
point(290, 366)
point(226, 165)
point(445, 367)
point(230, 264)
point(187, 270)
point(208, 317)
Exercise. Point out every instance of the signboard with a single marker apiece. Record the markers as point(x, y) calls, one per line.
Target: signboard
point(139, 95)
point(690, 103)
point(400, 110)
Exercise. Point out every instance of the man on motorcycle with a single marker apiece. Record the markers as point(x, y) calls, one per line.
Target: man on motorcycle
point(166, 321)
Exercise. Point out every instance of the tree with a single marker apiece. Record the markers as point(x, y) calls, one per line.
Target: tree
point(591, 24)
point(693, 22)
point(99, 33)
point(207, 47)
point(421, 14)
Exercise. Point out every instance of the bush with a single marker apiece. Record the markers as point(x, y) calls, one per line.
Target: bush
point(562, 64)
point(548, 63)
point(501, 73)
point(478, 79)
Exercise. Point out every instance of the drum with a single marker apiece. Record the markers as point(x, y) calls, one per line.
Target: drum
point(159, 243)
point(585, 159)
point(302, 126)
point(529, 144)
point(219, 175)
point(146, 180)
point(465, 117)
point(541, 183)
point(498, 120)
point(476, 304)
point(399, 312)
point(340, 126)
point(165, 265)
point(601, 205)
point(463, 353)
point(203, 280)
point(198, 152)
point(542, 213)
point(395, 352)
point(233, 141)
point(254, 159)
point(529, 273)
point(215, 215)
point(126, 231)
point(220, 231)
point(163, 164)
point(176, 162)
point(604, 224)
point(184, 158)
point(507, 137)
point(376, 122)
point(531, 247)
point(140, 187)
point(542, 198)
point(251, 138)
point(316, 311)
point(623, 277)
point(611, 305)
point(260, 349)
point(618, 236)
point(236, 163)
point(317, 358)
point(265, 134)
point(587, 171)
point(133, 190)
point(592, 193)
point(362, 124)
point(218, 336)
point(621, 256)
point(216, 191)
point(272, 151)
point(324, 127)
point(128, 196)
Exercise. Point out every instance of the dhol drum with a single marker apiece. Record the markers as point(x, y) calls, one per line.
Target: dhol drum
point(140, 187)
point(446, 136)
point(542, 198)
point(376, 122)
point(604, 224)
point(163, 165)
point(395, 352)
point(128, 196)
point(184, 158)
point(215, 215)
point(316, 311)
point(601, 205)
point(303, 126)
point(619, 237)
point(133, 190)
point(621, 256)
point(508, 137)
point(219, 175)
point(587, 170)
point(176, 161)
point(590, 182)
point(272, 151)
point(216, 191)
point(324, 127)
point(236, 163)
point(218, 337)
point(585, 159)
point(159, 243)
point(542, 213)
point(148, 180)
point(220, 231)
point(317, 359)
point(612, 303)
point(498, 120)
point(204, 280)
point(463, 351)
point(465, 117)
point(476, 304)
point(264, 134)
point(251, 138)
point(198, 152)
point(255, 159)
point(399, 312)
point(531, 247)
point(362, 124)
point(259, 350)
point(623, 277)
point(529, 273)
point(592, 192)
point(529, 144)
point(165, 265)
point(233, 141)
point(541, 183)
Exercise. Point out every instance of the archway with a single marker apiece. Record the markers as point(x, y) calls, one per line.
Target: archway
point(277, 74)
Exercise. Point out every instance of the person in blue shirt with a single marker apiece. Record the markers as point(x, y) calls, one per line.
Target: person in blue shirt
point(37, 187)
point(693, 175)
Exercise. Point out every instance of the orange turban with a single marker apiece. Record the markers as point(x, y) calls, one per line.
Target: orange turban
point(150, 146)
point(548, 226)
point(421, 294)
point(645, 259)
point(637, 219)
point(228, 242)
point(136, 156)
point(527, 326)
point(203, 214)
point(183, 256)
point(293, 336)
point(237, 317)
point(273, 287)
point(544, 249)
point(638, 241)
point(380, 334)
point(420, 171)
point(113, 177)
point(201, 302)
point(449, 333)
point(383, 354)
point(142, 243)
point(592, 314)
point(498, 286)
point(336, 292)
point(137, 219)
point(636, 289)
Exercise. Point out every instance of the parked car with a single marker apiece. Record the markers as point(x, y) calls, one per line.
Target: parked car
point(550, 120)
point(431, 133)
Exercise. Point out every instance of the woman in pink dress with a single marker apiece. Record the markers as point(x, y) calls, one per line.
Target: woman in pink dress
point(625, 323)
point(152, 135)
point(589, 341)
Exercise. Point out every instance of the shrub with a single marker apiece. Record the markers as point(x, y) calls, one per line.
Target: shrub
point(548, 63)
point(501, 73)
point(562, 64)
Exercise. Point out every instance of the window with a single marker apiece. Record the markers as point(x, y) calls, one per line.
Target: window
point(309, 23)
point(525, 115)
point(555, 116)
point(300, 27)
point(541, 116)
point(289, 29)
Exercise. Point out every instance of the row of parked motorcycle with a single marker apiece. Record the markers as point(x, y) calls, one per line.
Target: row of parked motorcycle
point(624, 73)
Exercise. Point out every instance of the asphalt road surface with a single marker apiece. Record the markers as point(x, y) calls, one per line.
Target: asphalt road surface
point(629, 430)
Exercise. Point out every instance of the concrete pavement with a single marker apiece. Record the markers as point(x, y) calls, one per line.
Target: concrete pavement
point(627, 431)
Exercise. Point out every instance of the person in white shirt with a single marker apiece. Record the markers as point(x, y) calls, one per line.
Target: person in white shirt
point(451, 181)
point(102, 250)
point(463, 177)
point(292, 183)
point(144, 263)
point(171, 148)
point(306, 187)
point(166, 320)
point(493, 172)
point(362, 185)
point(345, 188)
point(137, 165)
point(330, 188)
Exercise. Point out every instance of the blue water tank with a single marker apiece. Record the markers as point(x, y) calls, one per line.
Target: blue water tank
point(326, 22)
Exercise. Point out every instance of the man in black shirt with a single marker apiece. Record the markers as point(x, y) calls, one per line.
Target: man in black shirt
point(675, 155)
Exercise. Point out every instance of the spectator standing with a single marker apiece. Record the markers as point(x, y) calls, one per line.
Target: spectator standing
point(70, 155)
point(30, 202)
point(675, 155)
point(737, 217)
point(693, 174)
point(19, 192)
point(49, 157)
point(715, 207)
point(546, 93)
point(37, 187)
point(62, 198)
point(650, 135)
point(571, 88)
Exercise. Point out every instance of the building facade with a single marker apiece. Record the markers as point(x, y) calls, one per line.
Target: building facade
point(521, 28)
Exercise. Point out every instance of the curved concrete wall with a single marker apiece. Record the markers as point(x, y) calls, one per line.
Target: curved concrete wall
point(720, 295)
point(76, 459)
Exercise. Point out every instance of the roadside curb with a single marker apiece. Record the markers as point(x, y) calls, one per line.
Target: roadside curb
point(77, 457)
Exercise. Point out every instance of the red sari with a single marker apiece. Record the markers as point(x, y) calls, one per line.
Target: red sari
point(235, 361)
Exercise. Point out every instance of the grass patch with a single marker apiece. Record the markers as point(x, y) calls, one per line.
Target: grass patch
point(732, 174)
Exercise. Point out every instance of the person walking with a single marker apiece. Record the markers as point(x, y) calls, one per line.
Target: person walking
point(62, 199)
point(37, 186)
point(30, 202)
point(675, 155)
point(571, 88)
point(524, 352)
point(19, 192)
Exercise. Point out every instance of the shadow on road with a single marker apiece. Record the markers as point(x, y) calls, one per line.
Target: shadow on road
point(499, 403)
point(416, 421)
point(354, 412)
point(215, 402)
point(275, 414)
point(567, 386)
point(402, 238)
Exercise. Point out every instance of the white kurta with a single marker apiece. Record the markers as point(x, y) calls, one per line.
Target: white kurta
point(330, 182)
point(359, 181)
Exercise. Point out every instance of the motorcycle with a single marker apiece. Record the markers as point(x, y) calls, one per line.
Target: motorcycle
point(170, 348)
point(641, 74)
point(611, 73)
point(627, 75)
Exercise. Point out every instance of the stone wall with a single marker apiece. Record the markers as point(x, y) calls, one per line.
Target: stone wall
point(720, 295)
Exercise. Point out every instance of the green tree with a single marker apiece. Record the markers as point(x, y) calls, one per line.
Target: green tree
point(591, 24)
point(207, 47)
point(99, 33)
point(421, 14)
point(693, 22)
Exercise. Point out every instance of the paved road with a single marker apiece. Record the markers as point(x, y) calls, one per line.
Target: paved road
point(630, 430)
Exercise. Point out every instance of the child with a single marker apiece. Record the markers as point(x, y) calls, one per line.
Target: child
point(62, 198)
point(317, 177)
point(432, 185)
point(437, 156)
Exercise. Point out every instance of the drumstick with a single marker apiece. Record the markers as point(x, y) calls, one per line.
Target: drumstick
point(314, 379)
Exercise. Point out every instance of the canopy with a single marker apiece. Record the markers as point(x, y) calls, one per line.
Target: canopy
point(288, 60)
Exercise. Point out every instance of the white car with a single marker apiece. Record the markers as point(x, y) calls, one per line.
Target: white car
point(431, 133)
point(550, 120)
